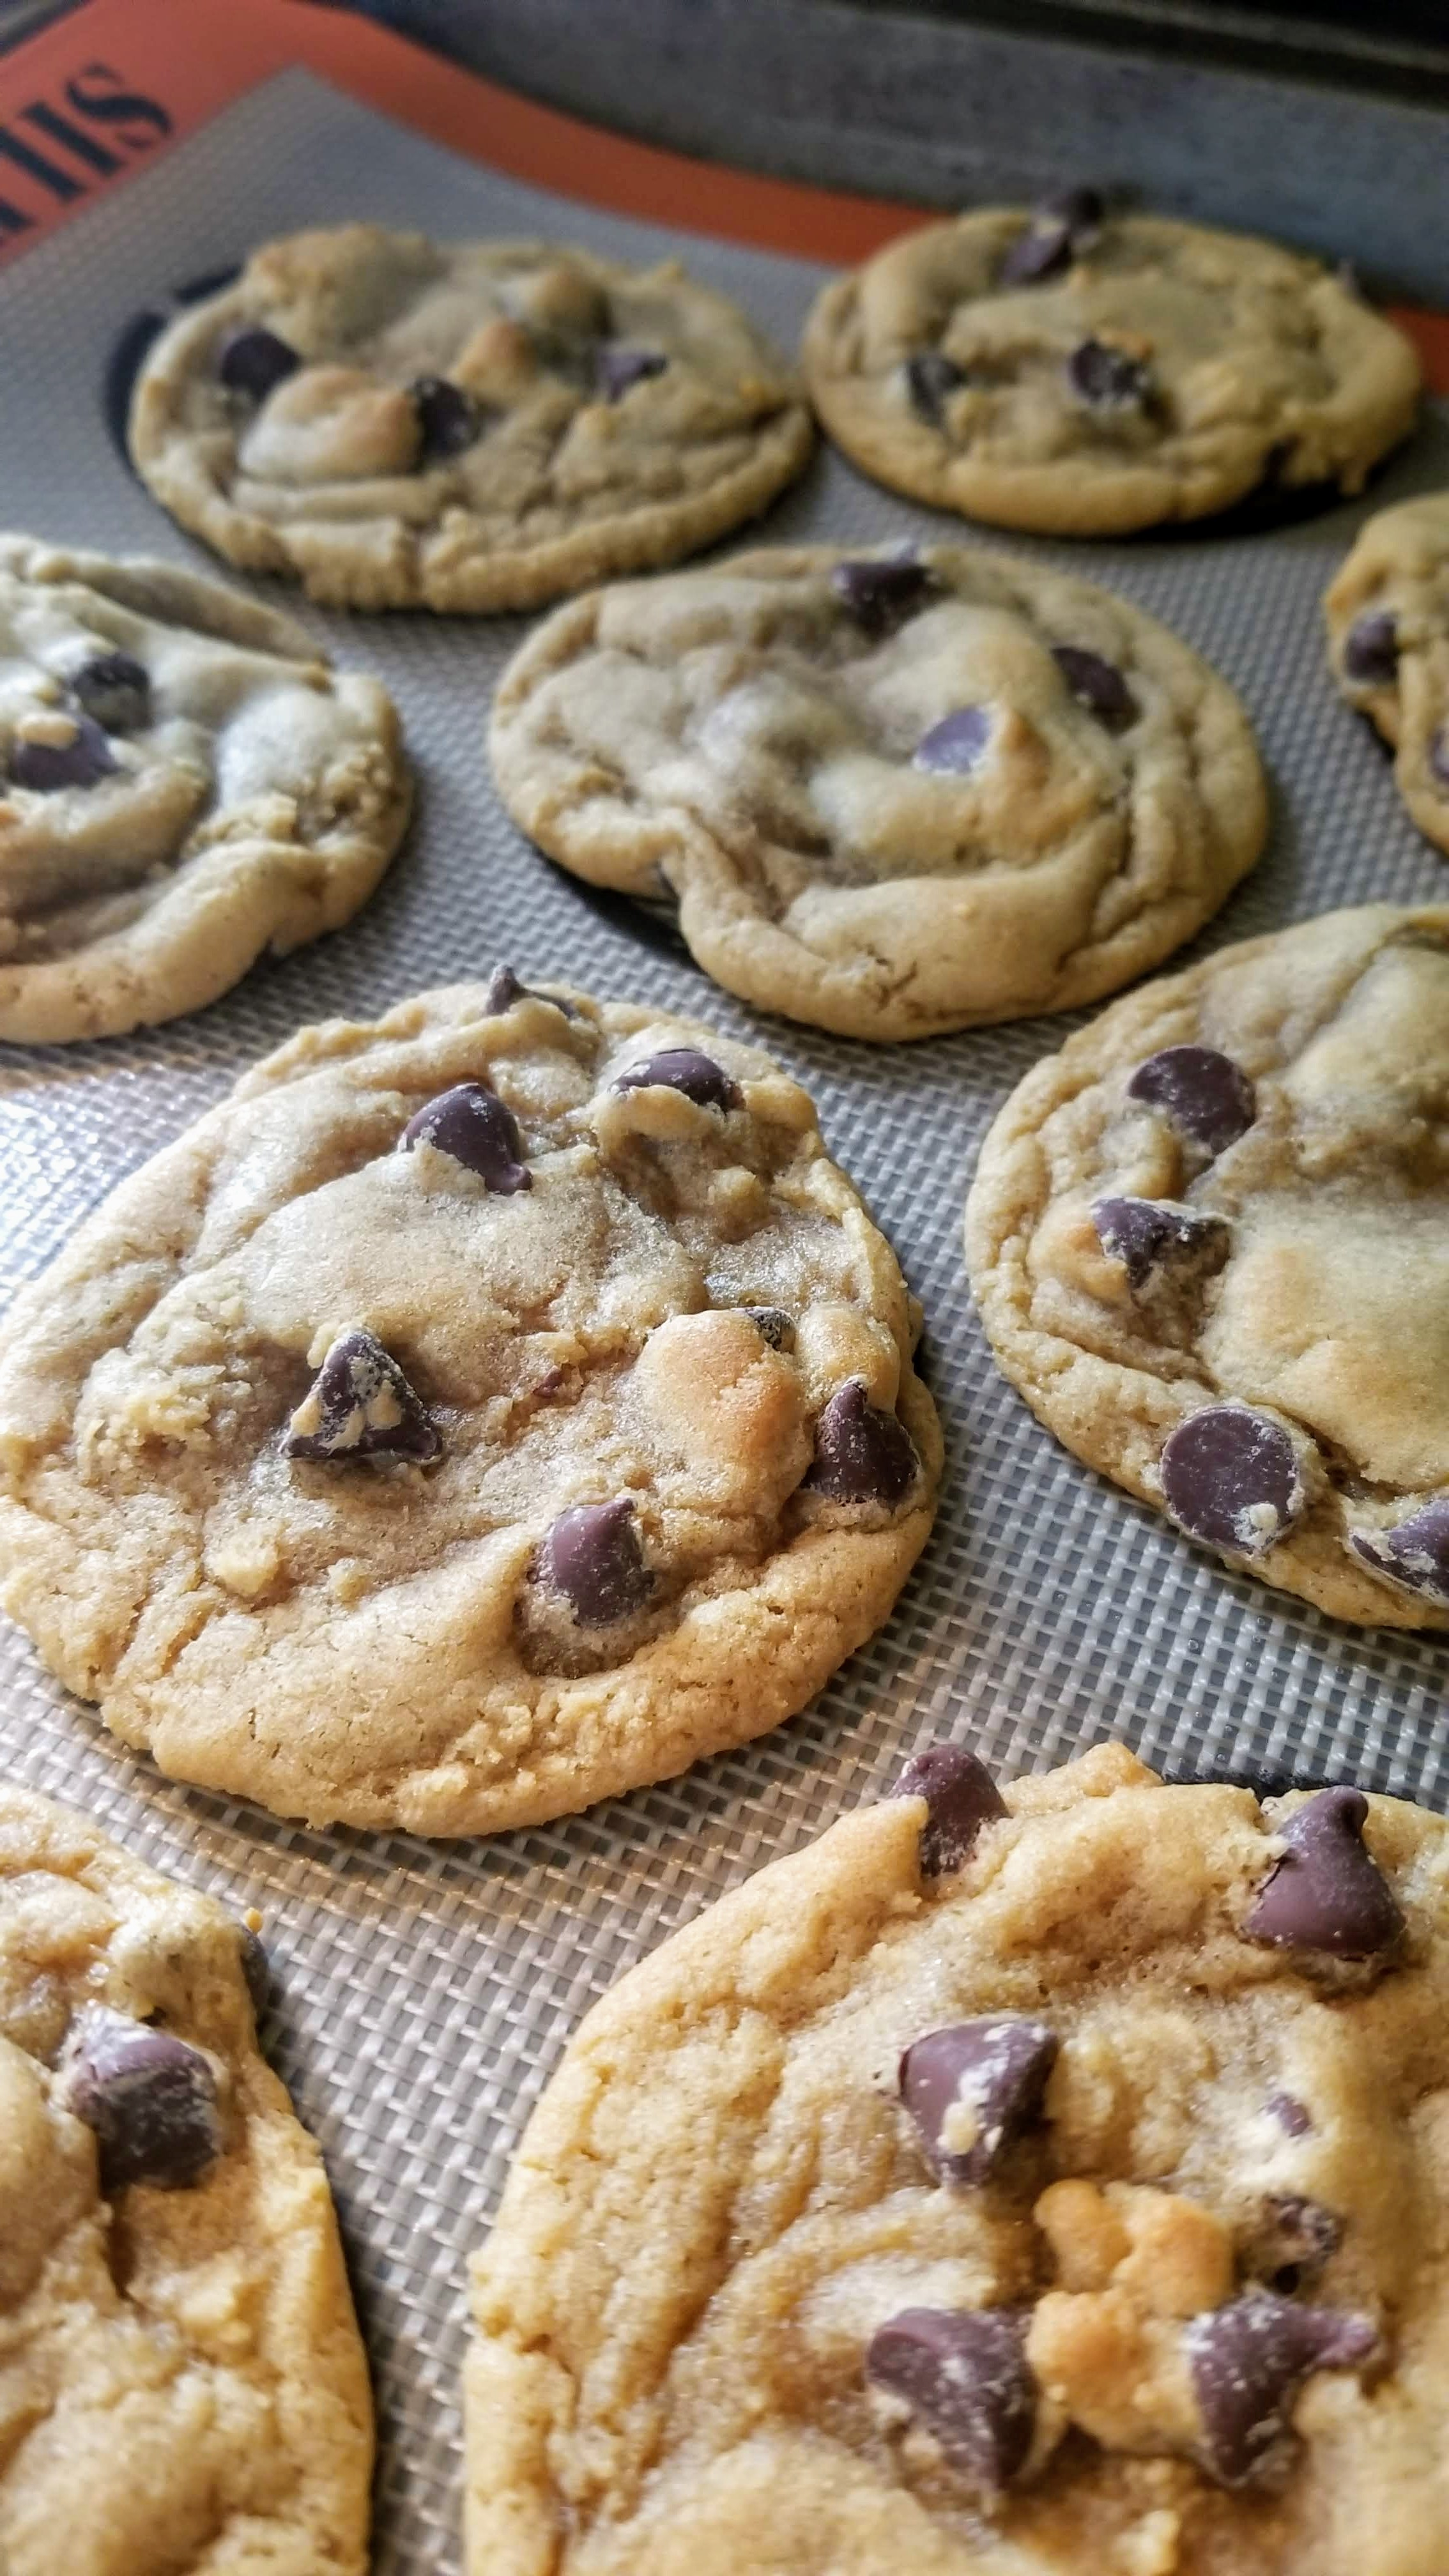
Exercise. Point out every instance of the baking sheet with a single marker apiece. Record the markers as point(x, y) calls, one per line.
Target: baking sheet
point(424, 1992)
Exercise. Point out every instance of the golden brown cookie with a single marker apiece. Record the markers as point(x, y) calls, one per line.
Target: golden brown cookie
point(1387, 613)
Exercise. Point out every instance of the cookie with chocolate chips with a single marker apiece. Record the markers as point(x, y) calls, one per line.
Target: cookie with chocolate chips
point(186, 2383)
point(400, 423)
point(1387, 614)
point(893, 793)
point(476, 1414)
point(1018, 2182)
point(1082, 371)
point(184, 783)
point(1209, 1242)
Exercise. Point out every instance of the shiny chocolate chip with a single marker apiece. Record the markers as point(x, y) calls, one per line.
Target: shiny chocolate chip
point(1059, 230)
point(1296, 2239)
point(255, 1969)
point(253, 361)
point(683, 1069)
point(149, 2097)
point(361, 1406)
point(618, 368)
point(1152, 1237)
point(1230, 1476)
point(448, 421)
point(114, 690)
point(957, 744)
point(862, 1454)
point(773, 1326)
point(1247, 2363)
point(1439, 757)
point(1414, 1553)
point(931, 377)
point(47, 768)
point(1290, 2114)
point(881, 591)
point(1096, 685)
point(1205, 1095)
point(964, 2375)
point(960, 1796)
point(1371, 650)
point(478, 1130)
point(1106, 379)
point(971, 2089)
point(1327, 1892)
point(593, 1557)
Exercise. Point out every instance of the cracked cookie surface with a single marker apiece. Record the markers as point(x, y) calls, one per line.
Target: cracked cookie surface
point(746, 2304)
point(1209, 1241)
point(1082, 372)
point(1387, 613)
point(476, 1414)
point(469, 426)
point(185, 2390)
point(183, 783)
point(894, 794)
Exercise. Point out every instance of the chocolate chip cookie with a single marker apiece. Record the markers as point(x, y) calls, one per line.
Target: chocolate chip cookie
point(1209, 1242)
point(1388, 641)
point(474, 1415)
point(1083, 372)
point(183, 784)
point(894, 793)
point(479, 425)
point(1038, 2183)
point(185, 2388)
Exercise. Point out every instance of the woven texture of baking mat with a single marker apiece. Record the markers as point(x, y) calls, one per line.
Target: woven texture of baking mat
point(423, 1993)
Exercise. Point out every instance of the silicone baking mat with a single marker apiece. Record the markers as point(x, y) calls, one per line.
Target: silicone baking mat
point(423, 1993)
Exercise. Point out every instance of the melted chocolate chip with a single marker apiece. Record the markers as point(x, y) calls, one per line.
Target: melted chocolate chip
point(1096, 685)
point(1106, 379)
point(47, 768)
point(1205, 1095)
point(957, 744)
point(1414, 1553)
point(361, 1406)
point(1371, 650)
point(881, 591)
point(1439, 757)
point(972, 2088)
point(449, 422)
point(593, 1557)
point(504, 989)
point(1230, 1476)
point(1248, 2362)
point(862, 1455)
point(960, 1796)
point(683, 1069)
point(1153, 1236)
point(618, 368)
point(1297, 2237)
point(149, 2097)
point(255, 1970)
point(1060, 228)
point(1326, 1892)
point(930, 377)
point(478, 1130)
point(254, 361)
point(773, 1326)
point(964, 2375)
point(114, 689)
point(1289, 2113)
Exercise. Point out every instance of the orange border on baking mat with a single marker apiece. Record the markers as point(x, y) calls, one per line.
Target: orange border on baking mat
point(103, 90)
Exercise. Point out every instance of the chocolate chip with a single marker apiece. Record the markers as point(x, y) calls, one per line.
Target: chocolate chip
point(683, 1069)
point(957, 744)
point(254, 361)
point(617, 368)
point(255, 1970)
point(1096, 685)
point(1152, 1236)
point(1248, 2362)
point(115, 690)
point(150, 2098)
point(49, 767)
point(1230, 1476)
point(361, 1406)
point(862, 1455)
point(1059, 229)
point(1297, 2237)
point(963, 2373)
point(1289, 2113)
point(1206, 1096)
point(504, 989)
point(1439, 756)
point(1371, 650)
point(478, 1130)
point(1414, 1553)
point(1106, 378)
point(930, 377)
point(981, 2080)
point(449, 422)
point(1327, 1892)
point(881, 591)
point(960, 1796)
point(773, 1326)
point(593, 1557)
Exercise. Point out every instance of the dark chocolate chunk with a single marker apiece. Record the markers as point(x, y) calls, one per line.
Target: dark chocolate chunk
point(773, 1326)
point(593, 1557)
point(1230, 1476)
point(618, 368)
point(254, 361)
point(683, 1069)
point(882, 591)
point(1414, 1553)
point(930, 377)
point(255, 1970)
point(1297, 2237)
point(1206, 1096)
point(504, 989)
point(1371, 650)
point(361, 1406)
point(1326, 1892)
point(964, 2375)
point(1248, 2361)
point(1106, 378)
point(960, 1796)
point(114, 689)
point(1060, 228)
point(991, 2074)
point(1439, 756)
point(150, 2098)
point(478, 1129)
point(1150, 1236)
point(862, 1455)
point(449, 422)
point(957, 744)
point(1289, 2113)
point(49, 767)
point(1096, 685)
